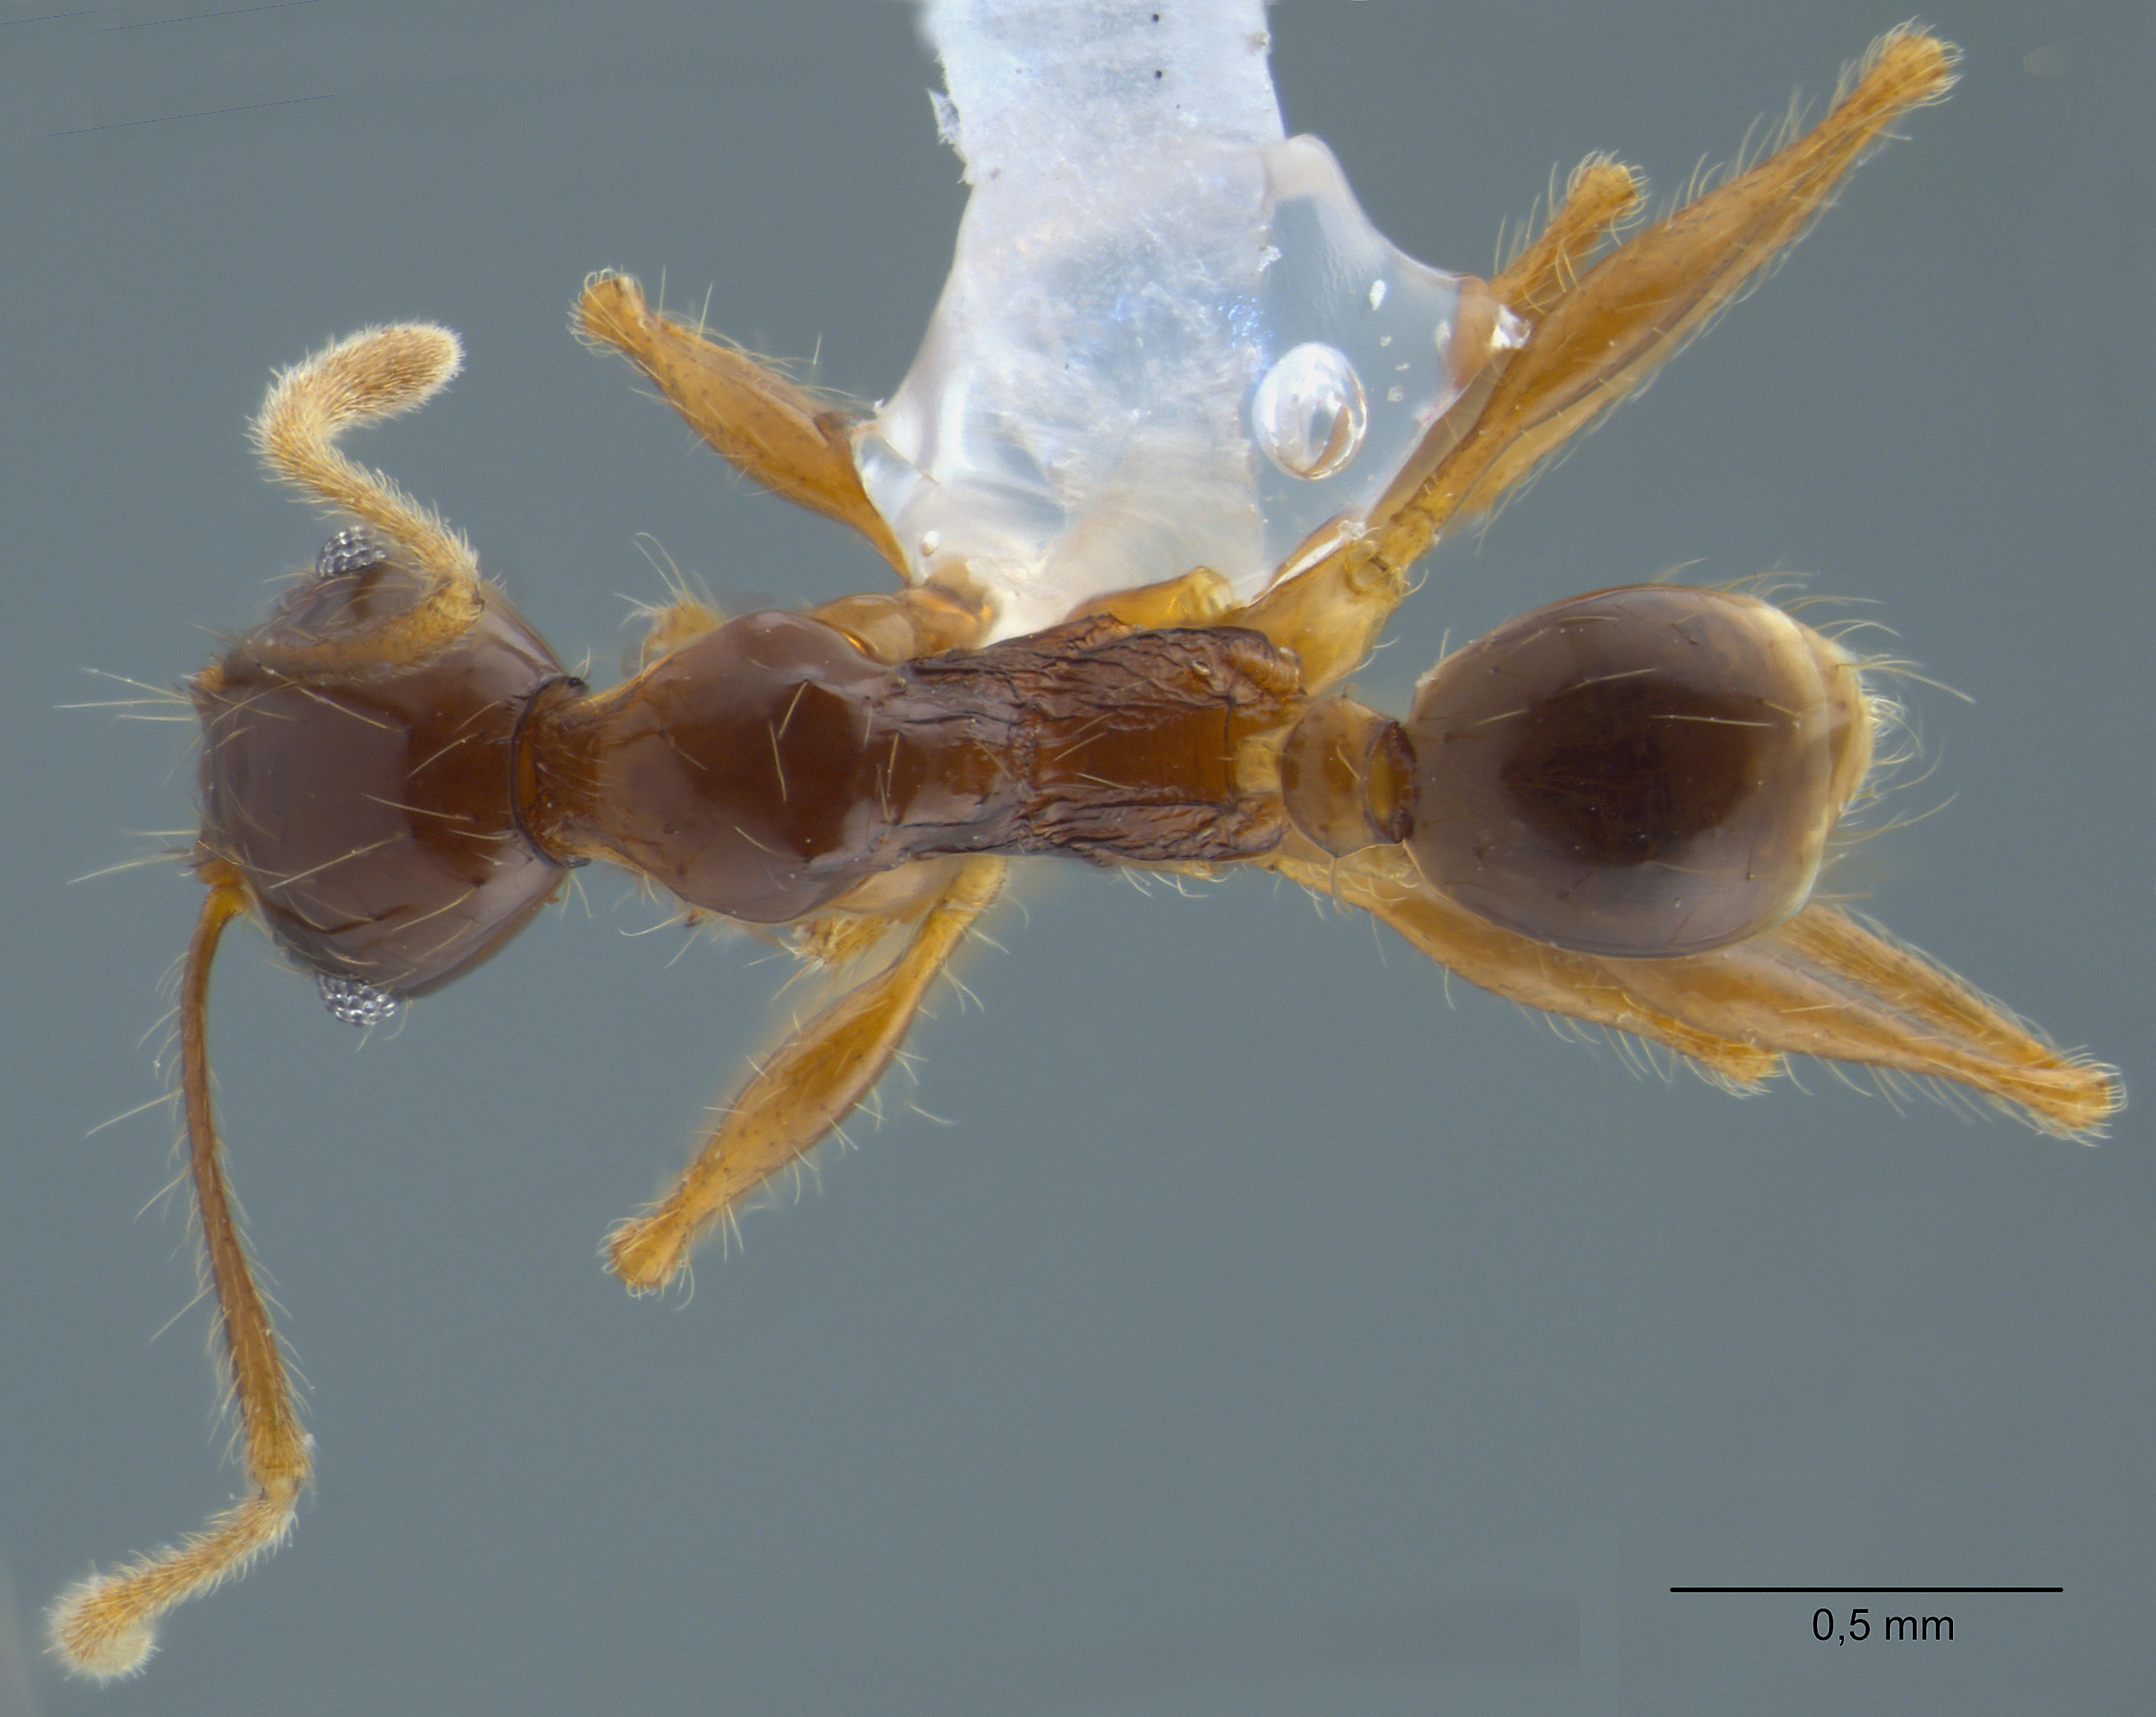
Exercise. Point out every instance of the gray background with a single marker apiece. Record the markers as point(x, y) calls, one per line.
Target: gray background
point(1263, 1334)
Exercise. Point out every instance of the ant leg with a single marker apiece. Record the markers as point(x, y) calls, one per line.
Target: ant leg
point(859, 920)
point(1384, 882)
point(794, 442)
point(1632, 310)
point(1821, 984)
point(927, 619)
point(1596, 337)
point(1601, 196)
point(105, 1627)
point(1200, 597)
point(806, 1088)
point(899, 625)
point(682, 621)
point(1825, 984)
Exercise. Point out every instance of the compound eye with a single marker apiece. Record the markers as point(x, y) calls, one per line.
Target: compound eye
point(353, 549)
point(1641, 771)
point(355, 1003)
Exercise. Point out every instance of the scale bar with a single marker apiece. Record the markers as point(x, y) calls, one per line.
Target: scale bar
point(1861, 1591)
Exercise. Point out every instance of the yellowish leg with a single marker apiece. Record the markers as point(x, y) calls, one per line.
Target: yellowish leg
point(105, 1627)
point(1820, 985)
point(1823, 984)
point(858, 921)
point(1198, 598)
point(898, 625)
point(1601, 195)
point(1644, 299)
point(805, 1089)
point(1384, 882)
point(1597, 335)
point(682, 621)
point(893, 625)
point(775, 430)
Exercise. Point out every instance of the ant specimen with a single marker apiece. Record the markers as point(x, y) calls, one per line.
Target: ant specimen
point(1614, 809)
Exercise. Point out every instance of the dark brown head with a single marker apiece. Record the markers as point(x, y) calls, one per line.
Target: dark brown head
point(368, 798)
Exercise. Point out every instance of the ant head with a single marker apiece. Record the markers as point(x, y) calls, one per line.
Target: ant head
point(367, 796)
